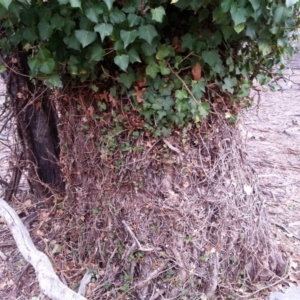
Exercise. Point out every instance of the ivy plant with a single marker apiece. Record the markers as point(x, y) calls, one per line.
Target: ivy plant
point(185, 52)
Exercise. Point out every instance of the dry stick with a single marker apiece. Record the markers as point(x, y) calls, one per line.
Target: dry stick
point(49, 282)
point(137, 241)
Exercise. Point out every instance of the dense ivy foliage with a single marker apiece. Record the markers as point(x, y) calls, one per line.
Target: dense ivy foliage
point(171, 57)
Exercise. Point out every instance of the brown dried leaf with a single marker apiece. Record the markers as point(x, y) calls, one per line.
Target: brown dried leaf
point(196, 71)
point(91, 110)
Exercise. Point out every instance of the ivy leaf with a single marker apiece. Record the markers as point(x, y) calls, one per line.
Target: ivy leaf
point(289, 3)
point(127, 79)
point(256, 4)
point(264, 47)
point(85, 37)
point(158, 14)
point(109, 3)
point(282, 12)
point(45, 29)
point(133, 56)
point(152, 70)
point(211, 57)
point(238, 14)
point(226, 5)
point(128, 36)
point(181, 94)
point(187, 41)
point(134, 20)
point(92, 14)
point(204, 109)
point(97, 53)
point(148, 33)
point(104, 29)
point(72, 42)
point(75, 3)
point(34, 63)
point(117, 16)
point(5, 3)
point(122, 61)
point(239, 28)
point(229, 84)
point(54, 80)
point(199, 88)
point(47, 66)
point(164, 51)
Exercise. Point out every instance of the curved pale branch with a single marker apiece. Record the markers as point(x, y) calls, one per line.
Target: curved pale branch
point(49, 282)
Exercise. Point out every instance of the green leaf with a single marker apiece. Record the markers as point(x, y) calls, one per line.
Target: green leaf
point(47, 66)
point(29, 35)
point(289, 3)
point(127, 79)
point(211, 57)
point(45, 29)
point(147, 49)
point(181, 94)
point(203, 14)
point(117, 16)
point(72, 42)
point(128, 36)
point(104, 29)
point(5, 3)
point(198, 89)
point(122, 61)
point(238, 14)
point(204, 109)
point(85, 37)
point(57, 21)
point(226, 5)
point(134, 20)
point(164, 51)
point(148, 33)
point(109, 3)
point(158, 13)
point(229, 84)
point(97, 53)
point(43, 54)
point(163, 69)
point(152, 70)
point(264, 47)
point(256, 4)
point(133, 56)
point(187, 41)
point(75, 3)
point(54, 80)
point(239, 28)
point(282, 12)
point(92, 14)
point(34, 63)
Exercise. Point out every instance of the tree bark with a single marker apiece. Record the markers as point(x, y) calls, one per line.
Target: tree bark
point(37, 130)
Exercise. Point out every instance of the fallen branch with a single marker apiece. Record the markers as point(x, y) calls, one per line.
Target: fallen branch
point(49, 282)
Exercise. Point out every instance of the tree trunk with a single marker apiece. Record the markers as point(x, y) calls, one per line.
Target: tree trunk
point(37, 130)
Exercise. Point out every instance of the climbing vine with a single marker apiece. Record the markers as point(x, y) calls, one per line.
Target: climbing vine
point(173, 59)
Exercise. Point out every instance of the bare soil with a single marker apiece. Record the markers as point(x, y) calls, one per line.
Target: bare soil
point(272, 130)
point(272, 134)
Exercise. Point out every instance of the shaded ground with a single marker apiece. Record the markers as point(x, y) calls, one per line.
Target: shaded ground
point(273, 140)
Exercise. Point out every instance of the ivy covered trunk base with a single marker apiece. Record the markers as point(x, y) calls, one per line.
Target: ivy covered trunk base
point(37, 131)
point(162, 218)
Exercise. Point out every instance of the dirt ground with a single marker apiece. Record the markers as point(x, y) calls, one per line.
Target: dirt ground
point(272, 133)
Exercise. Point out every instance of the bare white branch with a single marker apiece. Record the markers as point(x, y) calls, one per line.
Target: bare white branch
point(49, 282)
